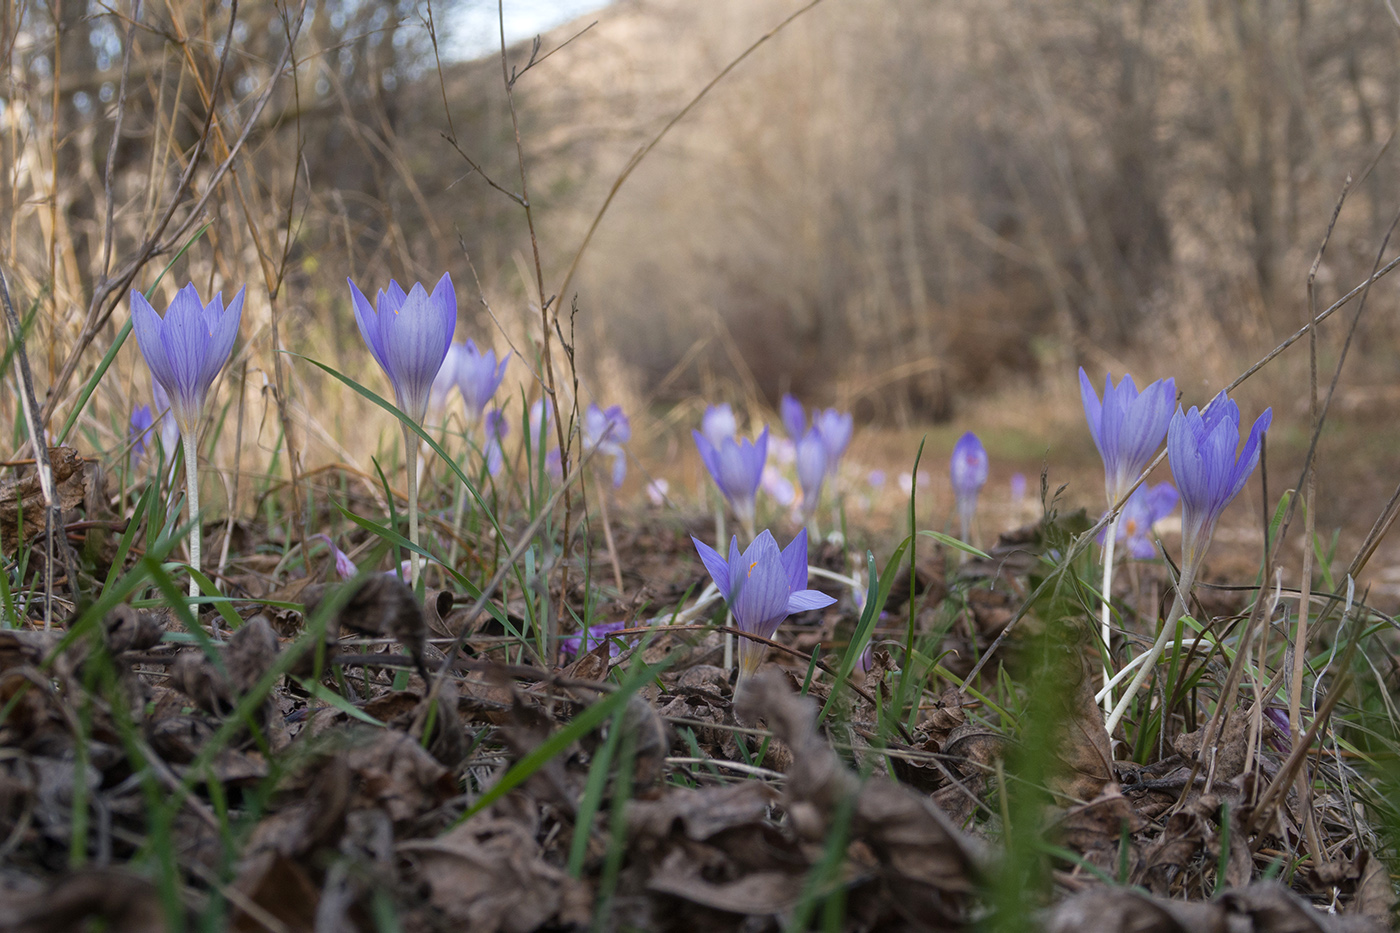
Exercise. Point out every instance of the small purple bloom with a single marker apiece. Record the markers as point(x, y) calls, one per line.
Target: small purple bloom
point(1128, 427)
point(496, 429)
point(737, 469)
point(876, 479)
point(968, 469)
point(409, 335)
point(763, 586)
point(1146, 506)
point(1018, 487)
point(537, 427)
point(811, 469)
point(343, 564)
point(446, 379)
point(1201, 450)
point(794, 418)
point(478, 377)
point(657, 490)
point(777, 486)
point(141, 424)
point(597, 634)
point(866, 659)
point(606, 432)
point(718, 424)
point(835, 428)
point(186, 349)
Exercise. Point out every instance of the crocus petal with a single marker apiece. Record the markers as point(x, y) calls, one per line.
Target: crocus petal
point(715, 564)
point(795, 561)
point(761, 601)
point(808, 600)
point(368, 320)
point(1093, 408)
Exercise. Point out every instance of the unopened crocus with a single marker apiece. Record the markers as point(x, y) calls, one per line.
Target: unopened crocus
point(496, 429)
point(409, 334)
point(1146, 506)
point(478, 377)
point(344, 566)
point(835, 428)
point(811, 469)
point(185, 351)
point(736, 465)
point(657, 490)
point(1201, 448)
point(968, 470)
point(606, 430)
point(763, 586)
point(140, 432)
point(793, 417)
point(719, 423)
point(1210, 468)
point(444, 382)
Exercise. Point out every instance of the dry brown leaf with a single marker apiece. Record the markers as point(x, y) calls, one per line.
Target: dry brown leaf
point(1081, 744)
point(395, 773)
point(99, 898)
point(759, 893)
point(924, 861)
point(24, 495)
point(488, 875)
point(1119, 910)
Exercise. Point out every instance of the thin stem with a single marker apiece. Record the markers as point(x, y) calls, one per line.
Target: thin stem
point(1183, 589)
point(410, 446)
point(1105, 624)
point(192, 482)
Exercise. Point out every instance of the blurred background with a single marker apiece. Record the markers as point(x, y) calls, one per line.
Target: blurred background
point(929, 213)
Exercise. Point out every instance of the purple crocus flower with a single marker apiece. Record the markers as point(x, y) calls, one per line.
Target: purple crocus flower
point(719, 423)
point(763, 586)
point(571, 645)
point(794, 418)
point(835, 428)
point(186, 349)
point(140, 432)
point(496, 429)
point(1201, 450)
point(606, 432)
point(777, 486)
point(343, 564)
point(409, 334)
point(968, 469)
point(478, 376)
point(737, 469)
point(1018, 487)
point(537, 424)
point(1146, 506)
point(811, 469)
point(446, 379)
point(1127, 426)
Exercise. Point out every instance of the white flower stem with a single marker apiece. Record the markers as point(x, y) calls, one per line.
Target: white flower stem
point(1105, 623)
point(1183, 590)
point(410, 445)
point(192, 482)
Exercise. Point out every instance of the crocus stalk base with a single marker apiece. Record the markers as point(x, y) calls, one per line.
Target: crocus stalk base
point(192, 481)
point(1105, 624)
point(410, 446)
point(1183, 588)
